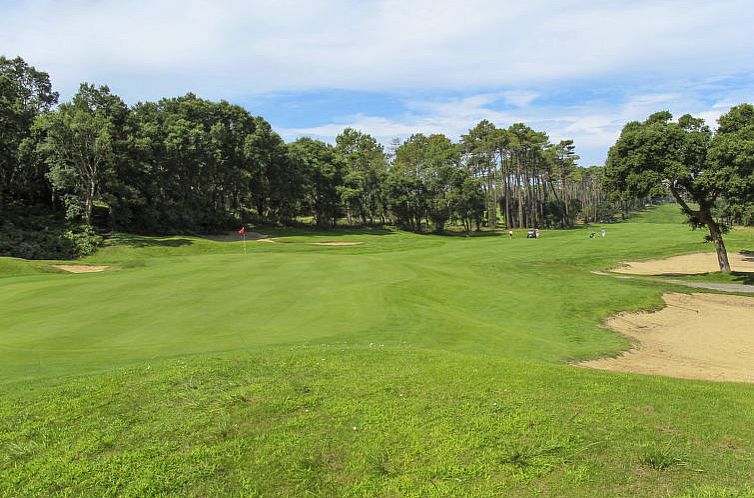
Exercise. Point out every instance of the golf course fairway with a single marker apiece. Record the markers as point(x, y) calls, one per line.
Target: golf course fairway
point(404, 365)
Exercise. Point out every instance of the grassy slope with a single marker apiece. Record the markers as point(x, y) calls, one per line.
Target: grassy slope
point(411, 365)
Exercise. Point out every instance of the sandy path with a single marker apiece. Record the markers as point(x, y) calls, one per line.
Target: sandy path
point(687, 264)
point(81, 268)
point(698, 336)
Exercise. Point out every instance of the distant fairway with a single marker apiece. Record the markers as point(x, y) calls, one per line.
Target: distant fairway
point(409, 365)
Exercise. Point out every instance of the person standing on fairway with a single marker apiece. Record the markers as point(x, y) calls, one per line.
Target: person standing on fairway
point(603, 231)
point(510, 234)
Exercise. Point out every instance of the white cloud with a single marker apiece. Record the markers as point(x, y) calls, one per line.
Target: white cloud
point(496, 51)
point(237, 47)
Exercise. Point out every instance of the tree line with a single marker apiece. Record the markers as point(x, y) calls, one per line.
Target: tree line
point(190, 165)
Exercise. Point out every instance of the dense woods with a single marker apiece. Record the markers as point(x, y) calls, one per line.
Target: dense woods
point(189, 165)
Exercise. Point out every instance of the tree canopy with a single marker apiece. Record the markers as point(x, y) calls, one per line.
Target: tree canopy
point(697, 167)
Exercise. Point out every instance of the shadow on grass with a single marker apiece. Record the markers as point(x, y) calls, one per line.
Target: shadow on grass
point(734, 277)
point(143, 241)
point(274, 231)
point(501, 231)
point(461, 233)
point(743, 277)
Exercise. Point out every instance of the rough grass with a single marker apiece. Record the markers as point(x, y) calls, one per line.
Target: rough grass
point(411, 365)
point(340, 420)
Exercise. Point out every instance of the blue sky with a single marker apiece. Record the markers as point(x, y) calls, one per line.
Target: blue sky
point(574, 69)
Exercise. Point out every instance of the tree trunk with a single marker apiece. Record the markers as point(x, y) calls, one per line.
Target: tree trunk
point(564, 197)
point(519, 187)
point(717, 238)
point(705, 216)
point(89, 202)
point(506, 182)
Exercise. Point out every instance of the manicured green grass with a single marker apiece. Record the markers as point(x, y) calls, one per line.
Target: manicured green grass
point(411, 365)
point(15, 266)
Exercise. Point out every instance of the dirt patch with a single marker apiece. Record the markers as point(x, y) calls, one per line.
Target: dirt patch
point(687, 264)
point(81, 268)
point(697, 336)
point(336, 243)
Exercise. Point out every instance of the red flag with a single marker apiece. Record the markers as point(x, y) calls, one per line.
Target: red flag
point(242, 231)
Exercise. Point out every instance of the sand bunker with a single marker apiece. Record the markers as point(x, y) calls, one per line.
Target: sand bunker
point(336, 243)
point(688, 264)
point(698, 336)
point(80, 268)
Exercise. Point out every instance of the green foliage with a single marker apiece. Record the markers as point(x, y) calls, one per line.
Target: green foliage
point(25, 93)
point(198, 166)
point(78, 147)
point(45, 236)
point(682, 157)
point(364, 178)
point(606, 212)
point(428, 182)
point(323, 171)
point(732, 154)
point(83, 240)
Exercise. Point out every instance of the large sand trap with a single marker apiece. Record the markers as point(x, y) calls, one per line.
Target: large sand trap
point(81, 268)
point(688, 264)
point(697, 336)
point(336, 243)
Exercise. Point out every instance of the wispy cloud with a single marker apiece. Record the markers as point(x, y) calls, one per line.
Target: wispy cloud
point(593, 124)
point(520, 98)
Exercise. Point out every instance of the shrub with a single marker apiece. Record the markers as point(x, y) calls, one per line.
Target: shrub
point(83, 240)
point(44, 236)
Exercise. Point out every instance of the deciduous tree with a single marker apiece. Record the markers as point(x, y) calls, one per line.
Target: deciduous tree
point(660, 153)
